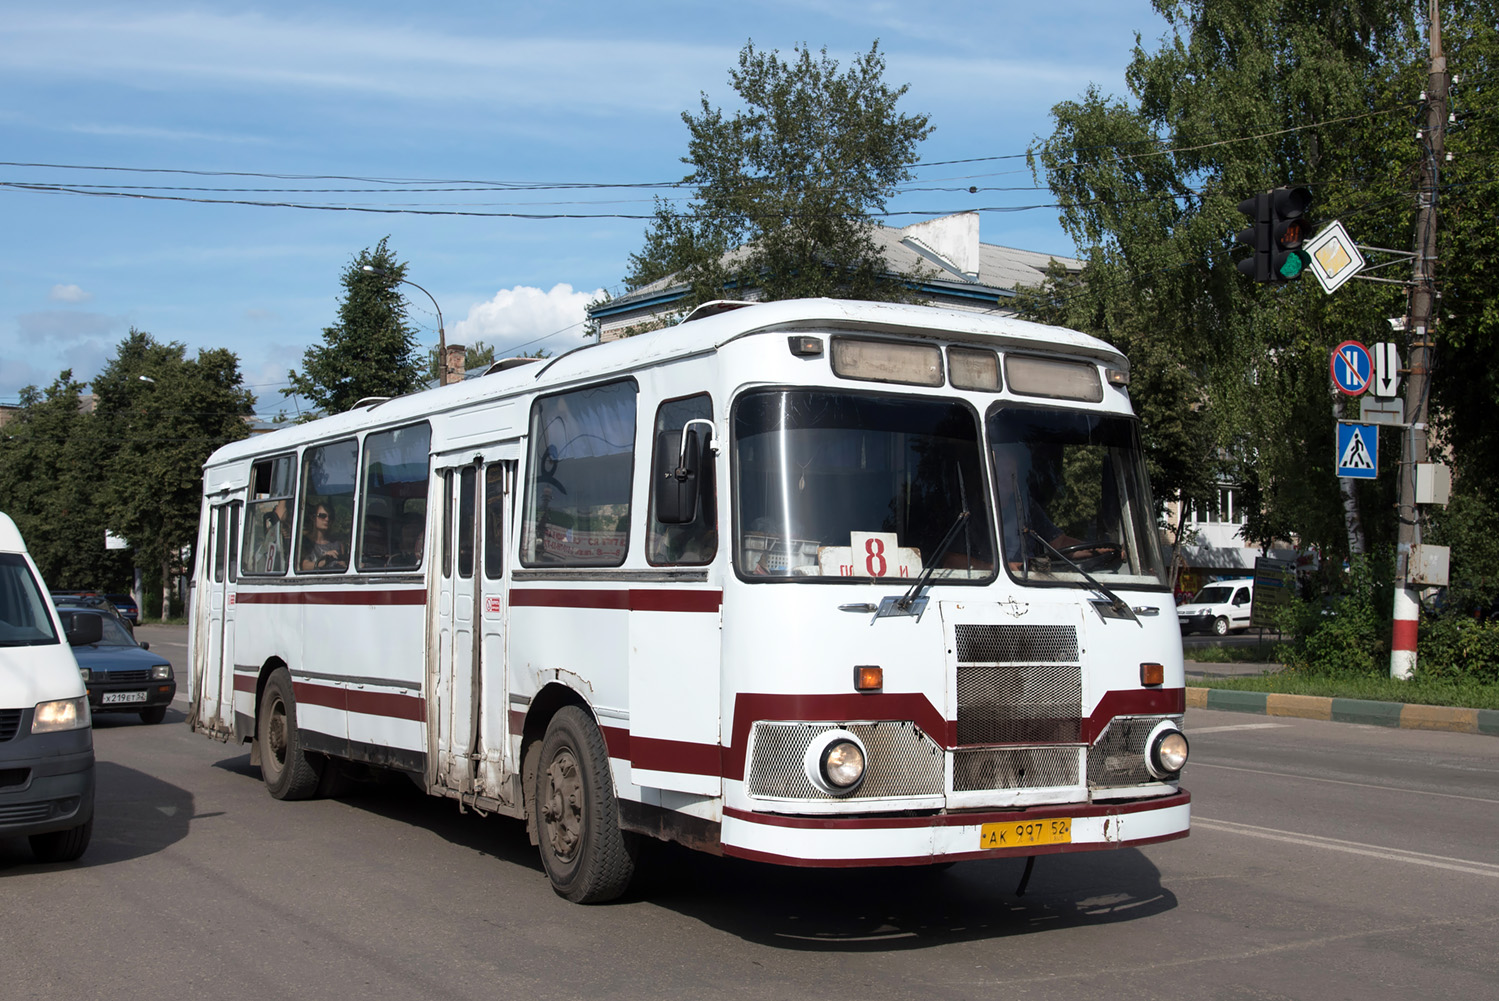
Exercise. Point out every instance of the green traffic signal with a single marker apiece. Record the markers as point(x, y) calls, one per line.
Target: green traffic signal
point(1278, 229)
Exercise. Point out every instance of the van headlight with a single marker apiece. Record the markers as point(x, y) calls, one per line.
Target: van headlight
point(835, 762)
point(63, 714)
point(1166, 750)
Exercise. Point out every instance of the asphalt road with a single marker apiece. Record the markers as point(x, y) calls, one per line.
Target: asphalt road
point(1327, 860)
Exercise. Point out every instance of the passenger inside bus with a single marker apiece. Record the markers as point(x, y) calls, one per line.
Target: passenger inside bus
point(321, 549)
point(275, 545)
point(409, 553)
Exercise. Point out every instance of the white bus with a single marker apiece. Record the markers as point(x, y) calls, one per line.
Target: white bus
point(817, 583)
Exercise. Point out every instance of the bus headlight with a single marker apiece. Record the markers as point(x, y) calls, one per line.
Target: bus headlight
point(1166, 750)
point(834, 762)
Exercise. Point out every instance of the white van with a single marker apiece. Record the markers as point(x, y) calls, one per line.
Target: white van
point(1218, 608)
point(46, 732)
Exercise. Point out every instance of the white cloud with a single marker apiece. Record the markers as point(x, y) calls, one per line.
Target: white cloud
point(526, 318)
point(69, 293)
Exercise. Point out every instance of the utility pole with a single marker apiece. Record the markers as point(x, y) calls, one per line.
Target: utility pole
point(1419, 326)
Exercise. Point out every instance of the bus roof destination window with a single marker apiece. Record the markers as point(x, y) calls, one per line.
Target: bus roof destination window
point(887, 361)
point(1054, 378)
point(973, 368)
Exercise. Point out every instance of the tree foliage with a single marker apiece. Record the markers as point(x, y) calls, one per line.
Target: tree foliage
point(52, 461)
point(163, 430)
point(131, 465)
point(790, 183)
point(371, 350)
point(1242, 96)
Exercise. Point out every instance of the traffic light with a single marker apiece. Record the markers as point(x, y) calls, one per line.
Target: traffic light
point(1278, 227)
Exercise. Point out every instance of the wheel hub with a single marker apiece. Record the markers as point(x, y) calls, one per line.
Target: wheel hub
point(562, 809)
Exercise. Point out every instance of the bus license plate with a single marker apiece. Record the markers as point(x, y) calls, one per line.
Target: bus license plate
point(115, 698)
point(1020, 833)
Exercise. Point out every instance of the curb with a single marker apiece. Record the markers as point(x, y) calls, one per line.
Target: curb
point(1392, 714)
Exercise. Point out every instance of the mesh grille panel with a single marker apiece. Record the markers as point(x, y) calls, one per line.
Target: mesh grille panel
point(1117, 758)
point(1020, 705)
point(900, 761)
point(988, 768)
point(1016, 644)
point(10, 722)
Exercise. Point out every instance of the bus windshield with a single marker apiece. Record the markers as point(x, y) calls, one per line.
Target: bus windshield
point(1072, 487)
point(857, 486)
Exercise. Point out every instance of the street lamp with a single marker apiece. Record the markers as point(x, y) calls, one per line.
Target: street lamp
point(442, 337)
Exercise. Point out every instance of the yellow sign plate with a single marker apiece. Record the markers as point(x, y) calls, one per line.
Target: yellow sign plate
point(1023, 833)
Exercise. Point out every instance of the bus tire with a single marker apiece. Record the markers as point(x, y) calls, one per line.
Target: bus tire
point(285, 766)
point(586, 855)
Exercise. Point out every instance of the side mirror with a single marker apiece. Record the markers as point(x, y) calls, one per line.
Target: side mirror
point(679, 461)
point(85, 629)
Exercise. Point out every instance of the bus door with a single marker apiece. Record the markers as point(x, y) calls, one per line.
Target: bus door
point(467, 723)
point(214, 681)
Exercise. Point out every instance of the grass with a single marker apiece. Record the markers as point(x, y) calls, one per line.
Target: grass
point(1268, 652)
point(1426, 692)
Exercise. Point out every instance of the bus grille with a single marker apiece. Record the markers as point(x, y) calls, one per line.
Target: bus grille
point(1018, 685)
point(901, 761)
point(1117, 758)
point(981, 769)
point(10, 722)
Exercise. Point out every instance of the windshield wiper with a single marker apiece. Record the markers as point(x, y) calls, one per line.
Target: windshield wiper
point(1117, 604)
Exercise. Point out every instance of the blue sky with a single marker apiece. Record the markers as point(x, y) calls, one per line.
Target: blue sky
point(350, 104)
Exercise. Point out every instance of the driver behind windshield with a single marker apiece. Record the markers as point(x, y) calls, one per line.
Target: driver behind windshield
point(1021, 481)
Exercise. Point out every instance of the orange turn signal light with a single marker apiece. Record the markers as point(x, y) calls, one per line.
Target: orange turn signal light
point(1152, 674)
point(868, 678)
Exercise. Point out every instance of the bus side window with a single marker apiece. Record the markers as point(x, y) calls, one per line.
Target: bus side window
point(696, 542)
point(579, 476)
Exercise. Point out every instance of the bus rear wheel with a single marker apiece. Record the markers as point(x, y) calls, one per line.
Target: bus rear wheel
point(586, 855)
point(285, 766)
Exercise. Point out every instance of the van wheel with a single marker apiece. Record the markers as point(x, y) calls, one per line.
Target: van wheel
point(62, 846)
point(1220, 626)
point(586, 856)
point(154, 715)
point(286, 768)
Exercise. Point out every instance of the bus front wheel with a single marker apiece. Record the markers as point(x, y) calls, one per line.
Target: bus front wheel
point(586, 856)
point(284, 765)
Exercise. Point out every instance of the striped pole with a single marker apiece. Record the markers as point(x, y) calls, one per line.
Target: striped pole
point(1403, 642)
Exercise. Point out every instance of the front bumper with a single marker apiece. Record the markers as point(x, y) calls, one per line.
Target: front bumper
point(845, 841)
point(46, 781)
point(153, 694)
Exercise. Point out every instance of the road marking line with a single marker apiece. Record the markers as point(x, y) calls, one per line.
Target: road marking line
point(1192, 731)
point(1342, 782)
point(1352, 847)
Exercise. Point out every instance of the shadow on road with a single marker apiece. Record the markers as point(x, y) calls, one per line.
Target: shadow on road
point(879, 910)
point(134, 815)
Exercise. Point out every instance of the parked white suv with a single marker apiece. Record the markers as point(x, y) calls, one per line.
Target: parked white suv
point(1218, 608)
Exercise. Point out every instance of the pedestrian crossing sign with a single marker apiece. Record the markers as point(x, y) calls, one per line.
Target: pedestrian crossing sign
point(1358, 450)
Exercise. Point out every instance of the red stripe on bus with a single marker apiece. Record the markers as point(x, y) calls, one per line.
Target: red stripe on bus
point(357, 596)
point(634, 600)
point(681, 756)
point(751, 855)
point(389, 704)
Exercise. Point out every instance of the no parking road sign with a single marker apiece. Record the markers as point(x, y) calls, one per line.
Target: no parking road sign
point(1352, 368)
point(1358, 450)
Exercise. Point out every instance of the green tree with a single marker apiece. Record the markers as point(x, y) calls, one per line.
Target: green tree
point(371, 350)
point(1242, 96)
point(164, 414)
point(52, 457)
point(789, 184)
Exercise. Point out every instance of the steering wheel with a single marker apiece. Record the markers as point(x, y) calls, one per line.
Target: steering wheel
point(1106, 555)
